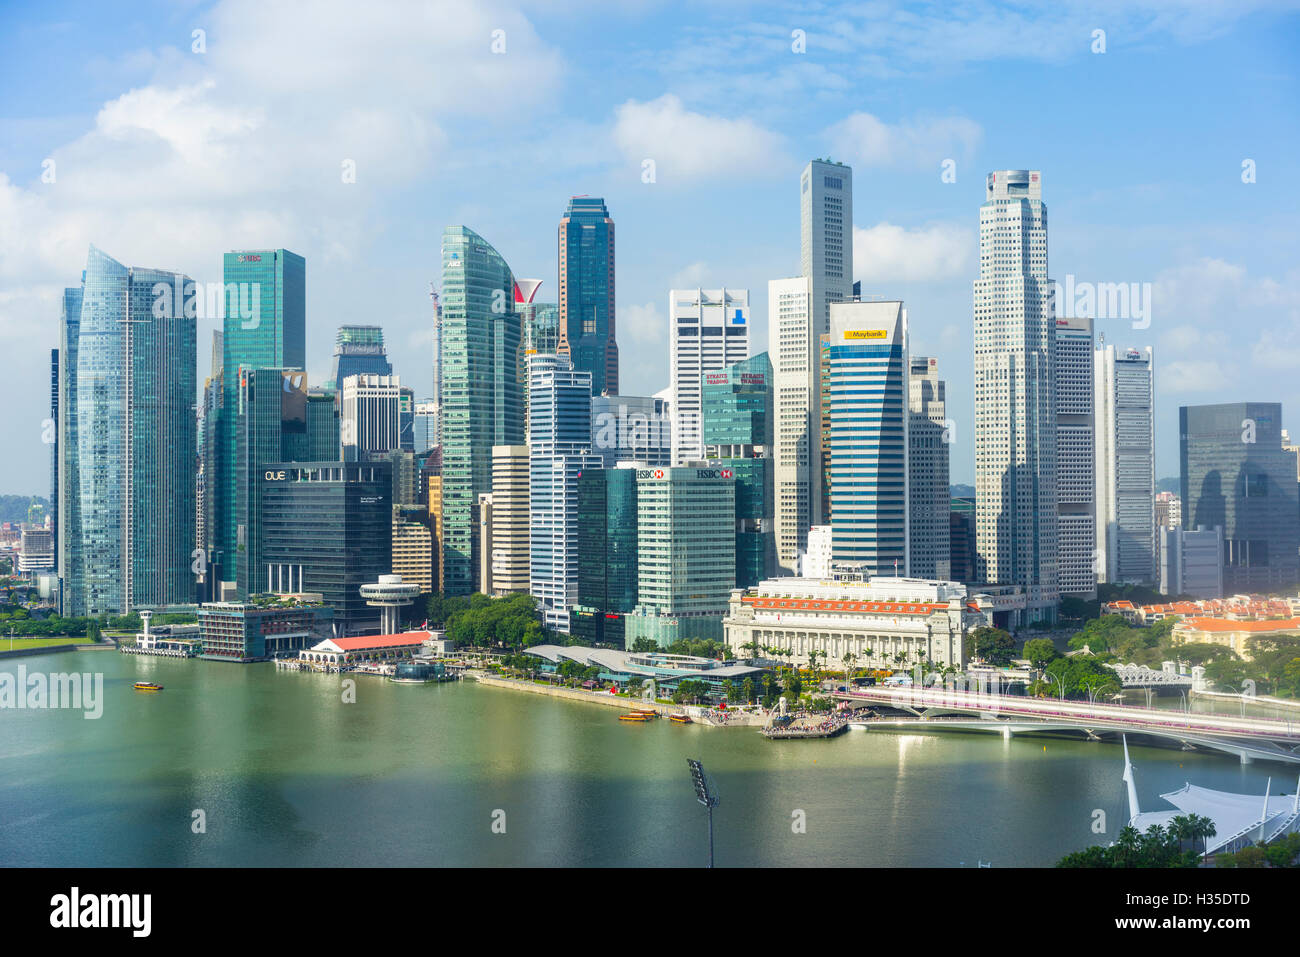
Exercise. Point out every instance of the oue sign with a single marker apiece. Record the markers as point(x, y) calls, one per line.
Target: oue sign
point(275, 476)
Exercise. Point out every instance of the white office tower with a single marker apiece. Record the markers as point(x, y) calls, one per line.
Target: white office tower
point(1076, 512)
point(1015, 422)
point(508, 557)
point(794, 352)
point(559, 450)
point(929, 548)
point(708, 330)
point(1126, 477)
point(369, 414)
point(826, 237)
point(815, 561)
point(867, 372)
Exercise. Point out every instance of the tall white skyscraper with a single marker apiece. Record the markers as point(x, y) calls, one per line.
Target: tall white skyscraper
point(794, 352)
point(559, 450)
point(708, 330)
point(929, 547)
point(1015, 422)
point(867, 376)
point(1126, 477)
point(826, 236)
point(369, 414)
point(1076, 512)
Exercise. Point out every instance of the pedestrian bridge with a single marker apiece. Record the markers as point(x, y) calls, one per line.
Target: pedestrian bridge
point(943, 709)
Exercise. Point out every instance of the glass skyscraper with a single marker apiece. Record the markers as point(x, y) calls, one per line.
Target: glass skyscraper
point(359, 350)
point(1236, 476)
point(586, 310)
point(265, 327)
point(607, 556)
point(481, 398)
point(128, 439)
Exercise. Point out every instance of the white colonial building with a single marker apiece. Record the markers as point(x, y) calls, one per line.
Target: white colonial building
point(883, 622)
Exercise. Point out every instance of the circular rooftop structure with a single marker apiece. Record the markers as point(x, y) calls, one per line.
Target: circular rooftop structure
point(389, 594)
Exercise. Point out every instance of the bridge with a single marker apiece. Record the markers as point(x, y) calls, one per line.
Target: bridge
point(939, 709)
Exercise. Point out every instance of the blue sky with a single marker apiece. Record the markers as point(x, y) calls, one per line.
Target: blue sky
point(166, 157)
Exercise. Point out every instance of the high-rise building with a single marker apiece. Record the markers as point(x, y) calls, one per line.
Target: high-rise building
point(327, 527)
point(631, 428)
point(961, 538)
point(868, 396)
point(736, 429)
point(359, 350)
point(370, 415)
point(128, 442)
point(509, 557)
point(559, 445)
point(708, 330)
point(826, 237)
point(50, 433)
point(686, 558)
point(481, 396)
point(929, 548)
point(1235, 475)
point(67, 543)
point(795, 352)
point(413, 546)
point(1076, 534)
point(607, 556)
point(1125, 464)
point(1191, 562)
point(586, 309)
point(1169, 509)
point(265, 327)
point(1015, 422)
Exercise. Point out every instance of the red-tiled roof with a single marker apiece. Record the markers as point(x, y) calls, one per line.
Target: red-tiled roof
point(368, 642)
point(817, 604)
point(1226, 624)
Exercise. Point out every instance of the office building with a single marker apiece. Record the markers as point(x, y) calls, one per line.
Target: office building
point(126, 439)
point(238, 632)
point(413, 557)
point(359, 350)
point(1235, 475)
point(509, 560)
point(795, 351)
point(961, 539)
point(686, 554)
point(817, 559)
point(586, 309)
point(826, 237)
point(559, 445)
point(327, 527)
point(482, 403)
point(1169, 510)
point(1191, 562)
point(265, 327)
point(607, 556)
point(631, 428)
point(1076, 533)
point(1015, 422)
point(736, 428)
point(1125, 464)
point(35, 550)
point(708, 330)
point(929, 548)
point(370, 415)
point(867, 391)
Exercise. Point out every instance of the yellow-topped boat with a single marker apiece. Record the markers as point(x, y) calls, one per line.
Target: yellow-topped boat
point(147, 686)
point(636, 716)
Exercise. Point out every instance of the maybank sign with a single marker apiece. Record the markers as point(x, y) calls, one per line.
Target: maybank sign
point(866, 334)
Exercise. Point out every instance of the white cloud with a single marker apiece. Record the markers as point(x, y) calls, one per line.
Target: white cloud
point(863, 140)
point(640, 327)
point(1194, 375)
point(889, 253)
point(694, 276)
point(685, 145)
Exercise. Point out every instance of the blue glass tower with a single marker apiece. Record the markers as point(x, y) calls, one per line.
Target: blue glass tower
point(586, 244)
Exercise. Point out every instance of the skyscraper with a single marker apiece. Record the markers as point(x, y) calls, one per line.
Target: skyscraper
point(586, 318)
point(129, 440)
point(868, 395)
point(265, 327)
point(1125, 464)
point(359, 350)
point(67, 544)
point(1015, 422)
point(928, 443)
point(370, 417)
point(559, 447)
point(1075, 456)
point(826, 237)
point(708, 330)
point(1235, 475)
point(607, 556)
point(631, 428)
point(509, 559)
point(481, 397)
point(795, 354)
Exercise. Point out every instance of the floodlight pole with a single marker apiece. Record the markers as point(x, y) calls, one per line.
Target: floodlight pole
point(704, 796)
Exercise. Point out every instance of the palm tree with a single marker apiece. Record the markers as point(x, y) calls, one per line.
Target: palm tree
point(1202, 827)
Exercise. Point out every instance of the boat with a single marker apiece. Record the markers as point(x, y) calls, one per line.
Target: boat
point(635, 716)
point(680, 718)
point(645, 712)
point(147, 686)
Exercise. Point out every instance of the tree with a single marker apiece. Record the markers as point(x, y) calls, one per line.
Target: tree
point(991, 645)
point(1040, 651)
point(747, 689)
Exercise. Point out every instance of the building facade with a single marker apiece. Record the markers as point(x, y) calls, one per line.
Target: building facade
point(1191, 562)
point(795, 353)
point(359, 350)
point(1125, 466)
point(586, 308)
point(928, 442)
point(708, 330)
point(826, 237)
point(1015, 422)
point(510, 554)
point(1076, 533)
point(631, 428)
point(234, 631)
point(607, 556)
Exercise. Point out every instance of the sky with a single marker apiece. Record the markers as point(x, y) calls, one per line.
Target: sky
point(1167, 132)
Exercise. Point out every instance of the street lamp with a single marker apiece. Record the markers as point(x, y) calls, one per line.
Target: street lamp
point(704, 796)
point(1059, 681)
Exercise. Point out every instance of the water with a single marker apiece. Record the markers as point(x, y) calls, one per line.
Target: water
point(287, 774)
